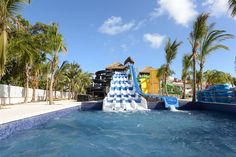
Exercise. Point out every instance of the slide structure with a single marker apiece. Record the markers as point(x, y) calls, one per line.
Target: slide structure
point(170, 102)
point(122, 95)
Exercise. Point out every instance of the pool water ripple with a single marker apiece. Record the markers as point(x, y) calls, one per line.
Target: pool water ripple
point(138, 134)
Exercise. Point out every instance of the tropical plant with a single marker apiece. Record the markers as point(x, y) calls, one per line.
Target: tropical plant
point(170, 55)
point(56, 46)
point(199, 30)
point(214, 77)
point(36, 72)
point(82, 82)
point(8, 10)
point(233, 81)
point(44, 77)
point(60, 76)
point(160, 76)
point(186, 65)
point(24, 49)
point(73, 72)
point(232, 6)
point(211, 42)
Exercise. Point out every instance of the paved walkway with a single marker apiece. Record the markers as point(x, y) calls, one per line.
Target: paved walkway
point(10, 113)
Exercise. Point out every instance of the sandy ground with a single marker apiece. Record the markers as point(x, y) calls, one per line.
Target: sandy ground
point(10, 113)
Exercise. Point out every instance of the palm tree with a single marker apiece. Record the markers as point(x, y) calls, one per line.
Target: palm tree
point(214, 77)
point(60, 74)
point(186, 64)
point(170, 55)
point(45, 73)
point(232, 6)
point(73, 72)
point(211, 42)
point(36, 71)
point(82, 82)
point(233, 81)
point(8, 9)
point(56, 46)
point(199, 30)
point(22, 45)
point(160, 76)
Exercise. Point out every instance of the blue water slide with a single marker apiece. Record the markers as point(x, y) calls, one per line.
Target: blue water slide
point(168, 100)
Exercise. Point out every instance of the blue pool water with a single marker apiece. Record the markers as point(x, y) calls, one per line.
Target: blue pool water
point(140, 134)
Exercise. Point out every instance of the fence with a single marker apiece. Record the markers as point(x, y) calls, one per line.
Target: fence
point(13, 94)
point(218, 94)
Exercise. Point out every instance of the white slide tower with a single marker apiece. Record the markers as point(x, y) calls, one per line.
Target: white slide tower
point(122, 95)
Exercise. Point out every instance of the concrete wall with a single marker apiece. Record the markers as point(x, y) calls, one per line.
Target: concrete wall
point(13, 94)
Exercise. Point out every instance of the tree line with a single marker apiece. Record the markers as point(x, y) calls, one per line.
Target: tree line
point(29, 55)
point(204, 40)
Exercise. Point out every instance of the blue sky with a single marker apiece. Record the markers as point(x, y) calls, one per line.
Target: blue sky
point(99, 32)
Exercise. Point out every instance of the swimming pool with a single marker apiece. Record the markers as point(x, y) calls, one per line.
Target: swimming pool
point(139, 134)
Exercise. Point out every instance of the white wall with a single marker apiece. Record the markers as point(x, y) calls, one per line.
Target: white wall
point(13, 94)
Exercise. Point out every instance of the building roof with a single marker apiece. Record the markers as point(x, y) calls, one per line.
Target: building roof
point(116, 66)
point(146, 70)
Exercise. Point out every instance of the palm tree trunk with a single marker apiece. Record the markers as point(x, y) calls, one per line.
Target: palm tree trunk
point(34, 87)
point(61, 93)
point(33, 95)
point(53, 72)
point(201, 75)
point(26, 83)
point(165, 85)
point(194, 75)
point(55, 89)
point(51, 90)
point(184, 93)
point(69, 94)
point(3, 45)
point(46, 98)
point(159, 86)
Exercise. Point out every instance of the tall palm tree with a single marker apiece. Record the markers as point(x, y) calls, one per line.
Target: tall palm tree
point(36, 71)
point(45, 73)
point(73, 72)
point(232, 6)
point(8, 9)
point(82, 81)
point(199, 30)
point(56, 46)
point(160, 76)
point(22, 45)
point(186, 65)
point(170, 55)
point(211, 42)
point(60, 74)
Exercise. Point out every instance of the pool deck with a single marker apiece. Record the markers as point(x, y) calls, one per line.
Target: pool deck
point(16, 112)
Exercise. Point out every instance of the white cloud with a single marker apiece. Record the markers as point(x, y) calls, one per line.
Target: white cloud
point(182, 11)
point(140, 24)
point(155, 40)
point(114, 25)
point(217, 7)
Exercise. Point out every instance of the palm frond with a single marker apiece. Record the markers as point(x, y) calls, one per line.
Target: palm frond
point(199, 28)
point(232, 7)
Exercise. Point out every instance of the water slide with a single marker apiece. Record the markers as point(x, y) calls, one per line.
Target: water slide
point(122, 95)
point(170, 102)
